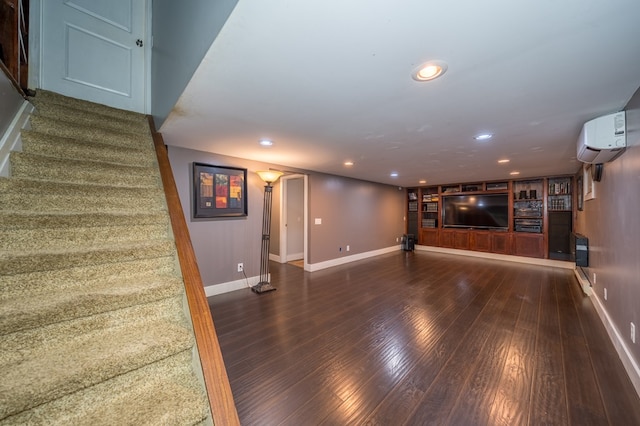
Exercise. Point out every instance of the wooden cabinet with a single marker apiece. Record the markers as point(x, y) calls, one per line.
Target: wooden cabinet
point(538, 225)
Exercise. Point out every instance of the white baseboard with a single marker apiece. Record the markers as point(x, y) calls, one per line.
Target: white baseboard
point(296, 256)
point(221, 288)
point(495, 256)
point(630, 364)
point(348, 259)
point(11, 139)
point(585, 285)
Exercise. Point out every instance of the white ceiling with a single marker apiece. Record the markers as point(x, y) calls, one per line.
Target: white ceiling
point(330, 81)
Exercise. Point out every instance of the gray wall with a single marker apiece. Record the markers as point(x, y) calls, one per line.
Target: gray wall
point(365, 215)
point(182, 34)
point(10, 102)
point(612, 224)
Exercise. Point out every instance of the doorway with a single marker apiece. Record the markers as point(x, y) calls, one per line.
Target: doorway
point(293, 220)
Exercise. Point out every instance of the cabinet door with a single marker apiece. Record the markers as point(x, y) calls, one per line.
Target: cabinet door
point(500, 243)
point(461, 240)
point(480, 241)
point(429, 237)
point(530, 245)
point(446, 238)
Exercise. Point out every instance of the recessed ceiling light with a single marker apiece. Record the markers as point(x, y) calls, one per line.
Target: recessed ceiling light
point(504, 160)
point(423, 181)
point(483, 137)
point(394, 174)
point(348, 163)
point(266, 142)
point(514, 173)
point(429, 70)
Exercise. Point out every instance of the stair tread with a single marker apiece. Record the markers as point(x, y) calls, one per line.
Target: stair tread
point(45, 96)
point(39, 239)
point(83, 116)
point(53, 368)
point(16, 262)
point(37, 167)
point(10, 219)
point(22, 310)
point(160, 393)
point(58, 146)
point(60, 128)
point(26, 184)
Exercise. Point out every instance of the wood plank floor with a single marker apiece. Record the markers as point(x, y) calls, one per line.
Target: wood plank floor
point(416, 338)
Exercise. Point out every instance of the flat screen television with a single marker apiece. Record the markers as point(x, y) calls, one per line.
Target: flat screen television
point(484, 211)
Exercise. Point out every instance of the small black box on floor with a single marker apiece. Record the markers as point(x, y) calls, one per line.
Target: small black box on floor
point(408, 242)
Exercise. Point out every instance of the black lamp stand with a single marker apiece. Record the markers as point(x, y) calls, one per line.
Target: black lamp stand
point(264, 285)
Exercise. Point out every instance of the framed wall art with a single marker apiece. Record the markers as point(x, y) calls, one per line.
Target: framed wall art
point(580, 191)
point(219, 191)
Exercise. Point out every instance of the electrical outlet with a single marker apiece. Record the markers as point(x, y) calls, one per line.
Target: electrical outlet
point(633, 332)
point(348, 248)
point(594, 278)
point(605, 293)
point(240, 267)
point(397, 240)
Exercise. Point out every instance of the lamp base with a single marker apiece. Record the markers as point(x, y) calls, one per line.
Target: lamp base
point(262, 287)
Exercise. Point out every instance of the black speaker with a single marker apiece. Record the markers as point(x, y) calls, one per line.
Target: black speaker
point(559, 234)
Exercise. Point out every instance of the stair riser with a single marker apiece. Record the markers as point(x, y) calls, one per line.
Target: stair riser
point(19, 264)
point(43, 282)
point(22, 167)
point(75, 238)
point(80, 302)
point(122, 399)
point(46, 145)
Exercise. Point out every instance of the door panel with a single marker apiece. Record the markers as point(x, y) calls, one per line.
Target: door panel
point(95, 50)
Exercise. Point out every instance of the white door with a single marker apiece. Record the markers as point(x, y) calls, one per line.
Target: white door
point(95, 50)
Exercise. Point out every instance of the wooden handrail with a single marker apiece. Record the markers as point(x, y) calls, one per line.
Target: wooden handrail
point(223, 409)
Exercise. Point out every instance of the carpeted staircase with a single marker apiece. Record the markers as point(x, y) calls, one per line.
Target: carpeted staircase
point(93, 327)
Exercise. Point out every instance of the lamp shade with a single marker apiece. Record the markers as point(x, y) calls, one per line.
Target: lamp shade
point(269, 176)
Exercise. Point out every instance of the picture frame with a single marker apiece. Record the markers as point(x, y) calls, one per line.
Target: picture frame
point(219, 191)
point(580, 192)
point(589, 184)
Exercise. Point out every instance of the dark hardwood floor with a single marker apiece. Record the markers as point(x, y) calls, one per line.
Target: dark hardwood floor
point(422, 338)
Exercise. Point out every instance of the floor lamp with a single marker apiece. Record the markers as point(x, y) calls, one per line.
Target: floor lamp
point(269, 177)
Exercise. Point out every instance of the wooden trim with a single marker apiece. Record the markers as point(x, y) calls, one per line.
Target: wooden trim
point(223, 409)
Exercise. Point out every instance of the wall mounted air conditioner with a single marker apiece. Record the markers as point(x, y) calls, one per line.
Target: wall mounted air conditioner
point(602, 139)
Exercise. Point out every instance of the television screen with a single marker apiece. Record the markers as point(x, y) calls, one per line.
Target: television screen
point(476, 211)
